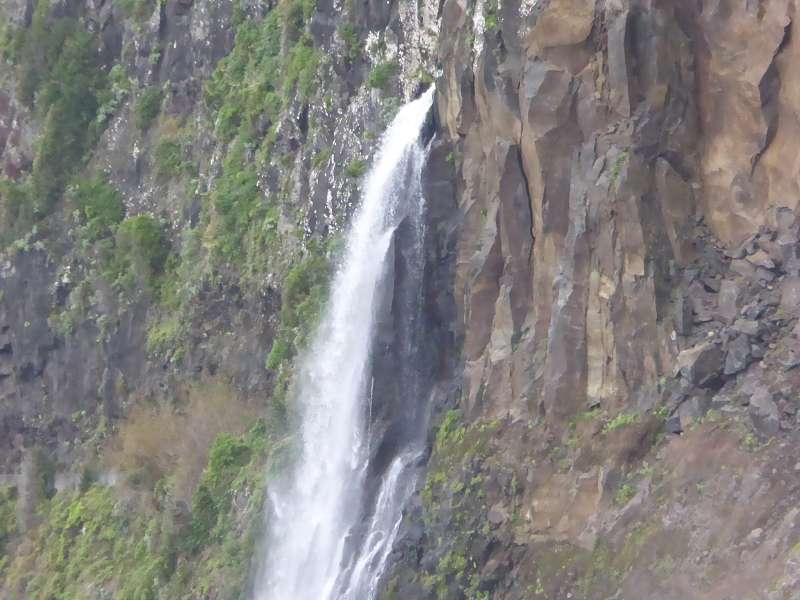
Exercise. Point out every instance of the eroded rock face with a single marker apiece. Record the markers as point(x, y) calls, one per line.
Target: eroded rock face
point(620, 272)
point(629, 249)
point(575, 125)
point(745, 77)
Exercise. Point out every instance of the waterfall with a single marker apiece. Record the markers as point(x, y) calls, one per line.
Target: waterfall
point(329, 538)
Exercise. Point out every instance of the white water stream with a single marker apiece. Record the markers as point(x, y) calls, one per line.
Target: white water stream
point(310, 551)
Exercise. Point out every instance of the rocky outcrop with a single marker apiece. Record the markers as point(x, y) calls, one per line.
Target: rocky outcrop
point(612, 275)
point(625, 266)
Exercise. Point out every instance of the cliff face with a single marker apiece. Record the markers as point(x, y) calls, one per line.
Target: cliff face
point(612, 285)
point(625, 286)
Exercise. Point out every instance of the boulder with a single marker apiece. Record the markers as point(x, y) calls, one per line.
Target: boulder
point(746, 326)
point(738, 355)
point(673, 425)
point(700, 364)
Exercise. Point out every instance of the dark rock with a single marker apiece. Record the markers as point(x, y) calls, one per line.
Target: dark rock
point(701, 364)
point(730, 293)
point(682, 316)
point(764, 412)
point(788, 408)
point(703, 303)
point(673, 425)
point(712, 284)
point(693, 409)
point(764, 276)
point(738, 355)
point(746, 326)
point(791, 357)
point(753, 311)
point(721, 400)
point(746, 247)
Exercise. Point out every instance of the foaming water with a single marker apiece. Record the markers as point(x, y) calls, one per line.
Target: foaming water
point(312, 553)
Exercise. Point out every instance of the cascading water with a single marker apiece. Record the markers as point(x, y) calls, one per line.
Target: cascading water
point(313, 550)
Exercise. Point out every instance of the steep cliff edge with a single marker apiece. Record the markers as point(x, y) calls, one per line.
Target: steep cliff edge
point(612, 288)
point(625, 286)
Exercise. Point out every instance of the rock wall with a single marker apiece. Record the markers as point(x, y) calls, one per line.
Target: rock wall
point(612, 281)
point(624, 284)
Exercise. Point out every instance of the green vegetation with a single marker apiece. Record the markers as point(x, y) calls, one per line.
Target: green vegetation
point(65, 321)
point(138, 9)
point(381, 74)
point(301, 68)
point(94, 535)
point(356, 168)
point(139, 254)
point(61, 79)
point(170, 161)
point(620, 421)
point(100, 207)
point(212, 498)
point(113, 96)
point(69, 98)
point(244, 89)
point(322, 158)
point(453, 500)
point(304, 292)
point(588, 416)
point(425, 78)
point(616, 168)
point(250, 85)
point(163, 336)
point(349, 35)
point(238, 205)
point(8, 517)
point(490, 13)
point(147, 107)
point(624, 494)
point(272, 59)
point(601, 571)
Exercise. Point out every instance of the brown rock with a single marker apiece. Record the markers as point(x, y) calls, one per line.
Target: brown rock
point(761, 259)
point(563, 23)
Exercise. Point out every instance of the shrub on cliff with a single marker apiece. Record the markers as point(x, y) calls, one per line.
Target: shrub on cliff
point(100, 206)
point(140, 251)
point(147, 108)
point(8, 518)
point(304, 292)
point(381, 74)
point(61, 78)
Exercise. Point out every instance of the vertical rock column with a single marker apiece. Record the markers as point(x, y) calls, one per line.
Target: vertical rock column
point(574, 128)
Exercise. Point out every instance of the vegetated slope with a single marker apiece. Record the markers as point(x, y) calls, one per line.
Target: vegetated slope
point(174, 180)
point(613, 183)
